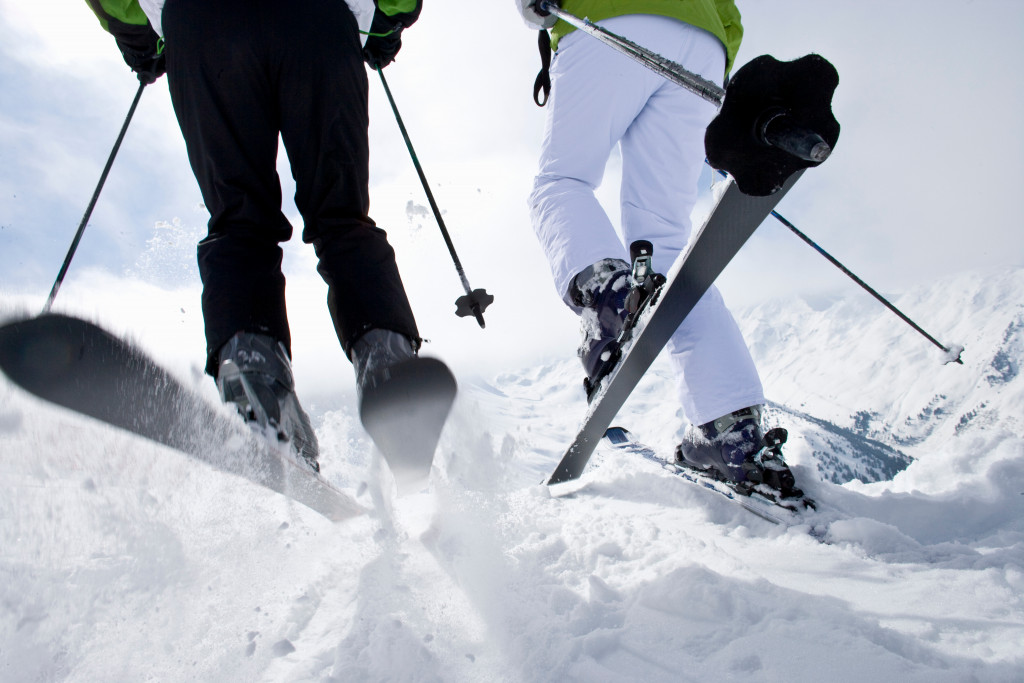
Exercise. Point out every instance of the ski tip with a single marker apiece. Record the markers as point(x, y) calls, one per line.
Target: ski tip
point(36, 352)
point(411, 383)
point(406, 414)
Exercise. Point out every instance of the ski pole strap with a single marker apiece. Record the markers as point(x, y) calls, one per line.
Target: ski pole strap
point(543, 81)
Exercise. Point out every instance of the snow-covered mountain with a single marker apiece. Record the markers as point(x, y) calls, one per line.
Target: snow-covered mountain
point(840, 455)
point(857, 366)
point(121, 560)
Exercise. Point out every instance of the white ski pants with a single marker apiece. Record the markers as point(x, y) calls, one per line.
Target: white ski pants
point(601, 98)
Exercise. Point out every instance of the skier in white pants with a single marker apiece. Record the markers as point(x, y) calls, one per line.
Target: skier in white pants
point(600, 99)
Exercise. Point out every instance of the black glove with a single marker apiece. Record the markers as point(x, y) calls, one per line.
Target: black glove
point(380, 50)
point(141, 48)
point(385, 39)
point(147, 66)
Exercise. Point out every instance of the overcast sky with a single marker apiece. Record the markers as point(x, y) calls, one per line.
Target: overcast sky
point(925, 178)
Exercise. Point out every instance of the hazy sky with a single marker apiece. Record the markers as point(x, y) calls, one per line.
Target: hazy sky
point(925, 178)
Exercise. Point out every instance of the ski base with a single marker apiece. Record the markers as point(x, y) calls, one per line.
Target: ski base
point(405, 415)
point(78, 365)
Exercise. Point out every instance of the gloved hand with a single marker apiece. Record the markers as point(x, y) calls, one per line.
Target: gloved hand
point(535, 17)
point(142, 50)
point(380, 49)
point(147, 66)
point(385, 39)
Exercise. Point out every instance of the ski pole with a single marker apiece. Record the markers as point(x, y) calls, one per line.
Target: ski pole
point(770, 121)
point(673, 71)
point(476, 300)
point(774, 130)
point(92, 202)
point(949, 350)
point(834, 261)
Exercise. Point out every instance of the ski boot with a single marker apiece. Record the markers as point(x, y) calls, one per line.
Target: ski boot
point(374, 354)
point(612, 297)
point(255, 374)
point(601, 291)
point(734, 450)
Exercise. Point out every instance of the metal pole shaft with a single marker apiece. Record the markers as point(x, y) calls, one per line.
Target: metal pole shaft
point(92, 202)
point(673, 71)
point(885, 302)
point(430, 197)
point(834, 261)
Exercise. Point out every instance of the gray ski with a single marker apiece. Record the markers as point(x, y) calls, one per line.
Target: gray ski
point(405, 416)
point(774, 511)
point(80, 366)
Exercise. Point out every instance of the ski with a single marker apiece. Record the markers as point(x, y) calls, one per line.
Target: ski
point(80, 366)
point(774, 511)
point(405, 416)
point(731, 223)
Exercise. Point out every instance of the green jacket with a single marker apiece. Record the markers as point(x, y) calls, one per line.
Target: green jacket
point(719, 17)
point(116, 15)
point(138, 41)
point(123, 11)
point(142, 48)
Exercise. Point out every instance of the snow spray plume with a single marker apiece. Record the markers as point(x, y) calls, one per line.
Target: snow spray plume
point(95, 196)
point(775, 117)
point(476, 300)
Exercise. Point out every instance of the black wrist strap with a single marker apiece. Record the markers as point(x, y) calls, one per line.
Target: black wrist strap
point(543, 81)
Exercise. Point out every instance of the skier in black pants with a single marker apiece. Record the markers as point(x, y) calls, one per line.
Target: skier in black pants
point(241, 72)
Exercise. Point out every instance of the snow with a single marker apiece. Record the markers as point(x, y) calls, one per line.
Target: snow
point(121, 560)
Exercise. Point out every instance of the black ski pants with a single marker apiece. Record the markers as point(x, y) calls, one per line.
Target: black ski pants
point(240, 73)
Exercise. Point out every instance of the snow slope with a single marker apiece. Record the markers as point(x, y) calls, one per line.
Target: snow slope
point(121, 560)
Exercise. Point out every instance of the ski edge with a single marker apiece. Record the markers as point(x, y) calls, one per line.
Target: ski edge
point(623, 440)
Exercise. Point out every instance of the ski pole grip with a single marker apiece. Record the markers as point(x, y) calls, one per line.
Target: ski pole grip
point(780, 131)
point(776, 119)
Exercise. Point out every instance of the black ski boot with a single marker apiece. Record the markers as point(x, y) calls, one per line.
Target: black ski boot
point(255, 374)
point(733, 449)
point(612, 295)
point(601, 291)
point(374, 354)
